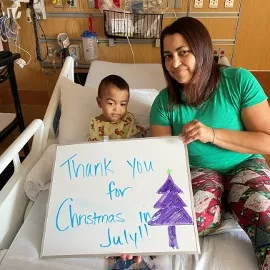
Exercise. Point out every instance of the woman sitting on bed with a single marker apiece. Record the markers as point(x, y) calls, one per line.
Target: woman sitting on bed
point(115, 122)
point(223, 115)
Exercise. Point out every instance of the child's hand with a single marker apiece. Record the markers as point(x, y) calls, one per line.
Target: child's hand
point(125, 257)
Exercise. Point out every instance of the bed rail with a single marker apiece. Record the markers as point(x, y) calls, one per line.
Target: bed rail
point(53, 111)
point(13, 200)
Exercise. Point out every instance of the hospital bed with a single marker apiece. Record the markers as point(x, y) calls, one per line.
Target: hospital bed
point(22, 220)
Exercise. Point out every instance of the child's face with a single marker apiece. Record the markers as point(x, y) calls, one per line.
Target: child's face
point(113, 103)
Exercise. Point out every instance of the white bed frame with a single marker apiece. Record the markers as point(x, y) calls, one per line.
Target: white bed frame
point(50, 135)
point(13, 200)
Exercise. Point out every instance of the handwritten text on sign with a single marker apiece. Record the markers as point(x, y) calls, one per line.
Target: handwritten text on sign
point(79, 171)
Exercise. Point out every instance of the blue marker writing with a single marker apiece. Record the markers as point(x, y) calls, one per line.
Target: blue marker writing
point(74, 219)
point(78, 170)
point(124, 238)
point(116, 192)
point(139, 167)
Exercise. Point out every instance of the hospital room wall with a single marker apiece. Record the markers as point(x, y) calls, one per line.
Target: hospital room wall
point(252, 49)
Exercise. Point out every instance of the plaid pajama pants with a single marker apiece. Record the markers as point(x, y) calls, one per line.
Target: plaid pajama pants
point(247, 193)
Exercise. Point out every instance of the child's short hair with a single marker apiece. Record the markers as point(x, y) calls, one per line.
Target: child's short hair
point(114, 80)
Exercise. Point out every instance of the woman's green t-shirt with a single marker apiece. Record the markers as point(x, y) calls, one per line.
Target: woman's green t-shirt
point(237, 89)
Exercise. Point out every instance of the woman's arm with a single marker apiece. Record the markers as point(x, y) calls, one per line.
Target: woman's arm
point(160, 131)
point(256, 138)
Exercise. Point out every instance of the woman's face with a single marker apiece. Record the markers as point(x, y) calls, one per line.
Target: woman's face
point(179, 60)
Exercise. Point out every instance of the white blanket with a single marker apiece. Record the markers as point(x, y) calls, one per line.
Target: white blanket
point(39, 178)
point(227, 251)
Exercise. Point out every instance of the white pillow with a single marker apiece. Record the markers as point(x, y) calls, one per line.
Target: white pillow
point(140, 104)
point(78, 104)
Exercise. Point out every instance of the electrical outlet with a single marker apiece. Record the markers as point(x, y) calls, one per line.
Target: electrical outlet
point(72, 3)
point(216, 55)
point(228, 4)
point(198, 3)
point(54, 51)
point(221, 52)
point(50, 51)
point(91, 3)
point(213, 3)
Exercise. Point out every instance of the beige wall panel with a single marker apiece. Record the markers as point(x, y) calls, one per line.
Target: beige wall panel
point(144, 53)
point(221, 7)
point(31, 112)
point(98, 26)
point(219, 28)
point(252, 49)
point(167, 21)
point(72, 26)
point(31, 79)
point(264, 79)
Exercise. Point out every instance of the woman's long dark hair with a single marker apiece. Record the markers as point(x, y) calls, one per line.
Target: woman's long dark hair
point(206, 74)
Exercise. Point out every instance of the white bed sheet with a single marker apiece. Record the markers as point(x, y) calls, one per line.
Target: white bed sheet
point(227, 251)
point(150, 75)
point(24, 252)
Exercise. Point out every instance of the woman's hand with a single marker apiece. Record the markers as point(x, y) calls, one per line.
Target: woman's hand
point(125, 257)
point(195, 130)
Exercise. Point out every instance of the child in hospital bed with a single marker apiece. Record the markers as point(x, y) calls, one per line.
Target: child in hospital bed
point(116, 122)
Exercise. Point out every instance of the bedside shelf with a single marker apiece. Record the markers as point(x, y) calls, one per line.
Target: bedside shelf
point(6, 119)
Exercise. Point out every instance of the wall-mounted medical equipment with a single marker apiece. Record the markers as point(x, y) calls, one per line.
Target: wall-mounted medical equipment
point(38, 6)
point(132, 25)
point(90, 50)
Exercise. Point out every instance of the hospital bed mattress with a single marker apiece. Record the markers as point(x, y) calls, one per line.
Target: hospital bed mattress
point(230, 249)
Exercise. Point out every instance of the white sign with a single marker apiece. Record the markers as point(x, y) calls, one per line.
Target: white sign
point(129, 196)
